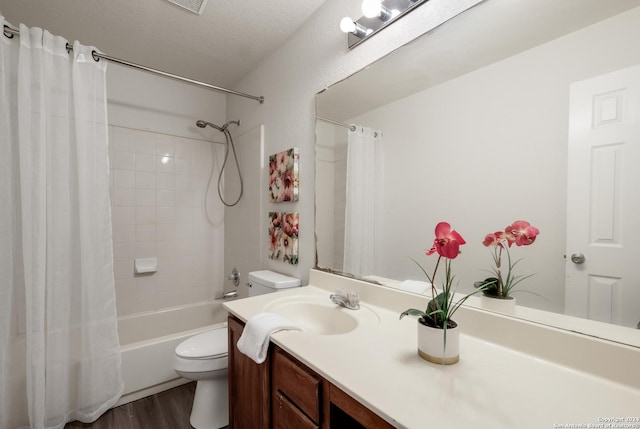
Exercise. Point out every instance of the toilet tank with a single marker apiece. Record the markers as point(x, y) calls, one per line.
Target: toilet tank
point(265, 281)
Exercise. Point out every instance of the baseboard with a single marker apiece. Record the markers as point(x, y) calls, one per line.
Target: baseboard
point(143, 393)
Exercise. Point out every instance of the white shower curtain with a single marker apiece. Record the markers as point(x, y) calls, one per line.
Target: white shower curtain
point(57, 295)
point(364, 193)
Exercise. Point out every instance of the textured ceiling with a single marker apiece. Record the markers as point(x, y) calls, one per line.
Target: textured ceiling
point(219, 47)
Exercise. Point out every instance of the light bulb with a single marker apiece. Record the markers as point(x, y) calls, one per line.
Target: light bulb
point(347, 25)
point(371, 8)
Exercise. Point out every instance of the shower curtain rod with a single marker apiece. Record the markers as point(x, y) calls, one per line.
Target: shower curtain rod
point(341, 124)
point(10, 32)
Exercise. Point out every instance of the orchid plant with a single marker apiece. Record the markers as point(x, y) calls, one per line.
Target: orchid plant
point(441, 307)
point(522, 233)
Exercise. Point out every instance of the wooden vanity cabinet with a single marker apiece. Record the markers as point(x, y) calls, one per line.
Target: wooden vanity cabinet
point(249, 385)
point(283, 393)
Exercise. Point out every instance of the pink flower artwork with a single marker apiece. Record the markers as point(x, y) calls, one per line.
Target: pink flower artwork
point(283, 176)
point(283, 237)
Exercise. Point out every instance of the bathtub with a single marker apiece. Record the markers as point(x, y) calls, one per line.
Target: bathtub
point(148, 341)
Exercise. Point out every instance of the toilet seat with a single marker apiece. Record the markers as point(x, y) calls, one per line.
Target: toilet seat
point(204, 352)
point(207, 345)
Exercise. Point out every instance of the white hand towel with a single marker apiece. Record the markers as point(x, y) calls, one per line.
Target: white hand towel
point(254, 340)
point(415, 286)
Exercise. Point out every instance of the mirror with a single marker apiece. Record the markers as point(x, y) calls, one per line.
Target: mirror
point(476, 118)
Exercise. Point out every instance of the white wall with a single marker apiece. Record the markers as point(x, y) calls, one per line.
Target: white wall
point(157, 207)
point(315, 57)
point(437, 164)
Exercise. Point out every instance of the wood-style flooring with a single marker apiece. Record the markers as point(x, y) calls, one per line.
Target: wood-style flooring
point(166, 410)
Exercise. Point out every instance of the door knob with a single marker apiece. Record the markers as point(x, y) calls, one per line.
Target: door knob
point(577, 258)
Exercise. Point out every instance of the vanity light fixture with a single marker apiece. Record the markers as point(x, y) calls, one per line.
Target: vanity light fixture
point(347, 25)
point(375, 9)
point(377, 15)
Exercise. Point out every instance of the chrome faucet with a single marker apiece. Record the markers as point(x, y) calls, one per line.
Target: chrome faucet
point(351, 300)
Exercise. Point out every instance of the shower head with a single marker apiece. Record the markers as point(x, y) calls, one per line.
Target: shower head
point(202, 124)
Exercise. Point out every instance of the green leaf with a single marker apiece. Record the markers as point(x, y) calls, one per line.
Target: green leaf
point(413, 312)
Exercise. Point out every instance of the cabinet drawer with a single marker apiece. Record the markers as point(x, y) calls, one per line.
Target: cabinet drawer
point(297, 383)
point(287, 416)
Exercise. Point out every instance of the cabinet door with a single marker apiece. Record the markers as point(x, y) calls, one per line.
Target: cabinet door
point(288, 416)
point(297, 382)
point(249, 389)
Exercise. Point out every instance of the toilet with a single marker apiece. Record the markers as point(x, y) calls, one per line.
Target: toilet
point(204, 359)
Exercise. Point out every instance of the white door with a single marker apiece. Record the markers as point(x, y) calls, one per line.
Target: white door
point(603, 199)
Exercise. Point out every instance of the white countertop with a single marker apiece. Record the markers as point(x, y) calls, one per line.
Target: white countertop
point(492, 386)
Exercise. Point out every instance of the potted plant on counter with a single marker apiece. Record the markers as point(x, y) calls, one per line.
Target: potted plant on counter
point(438, 333)
point(496, 290)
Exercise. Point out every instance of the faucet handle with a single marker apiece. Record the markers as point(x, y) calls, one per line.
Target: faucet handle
point(354, 299)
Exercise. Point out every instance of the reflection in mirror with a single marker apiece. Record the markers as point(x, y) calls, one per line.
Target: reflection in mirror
point(512, 110)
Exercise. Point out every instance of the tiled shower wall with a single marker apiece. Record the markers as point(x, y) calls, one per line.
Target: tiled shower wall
point(157, 199)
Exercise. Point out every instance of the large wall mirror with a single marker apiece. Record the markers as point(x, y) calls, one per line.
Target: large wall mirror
point(513, 110)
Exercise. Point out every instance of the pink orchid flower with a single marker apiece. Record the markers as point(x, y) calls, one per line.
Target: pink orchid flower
point(523, 233)
point(447, 242)
point(494, 239)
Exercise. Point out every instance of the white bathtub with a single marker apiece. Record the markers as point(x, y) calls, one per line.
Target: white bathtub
point(148, 341)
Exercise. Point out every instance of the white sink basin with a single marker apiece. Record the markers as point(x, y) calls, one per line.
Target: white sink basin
point(320, 316)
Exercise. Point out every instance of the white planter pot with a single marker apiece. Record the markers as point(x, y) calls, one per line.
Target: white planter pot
point(499, 305)
point(431, 344)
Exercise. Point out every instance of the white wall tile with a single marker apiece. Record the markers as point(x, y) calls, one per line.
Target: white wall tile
point(165, 181)
point(183, 165)
point(165, 164)
point(145, 233)
point(166, 215)
point(123, 160)
point(166, 198)
point(124, 233)
point(145, 180)
point(145, 142)
point(147, 223)
point(184, 231)
point(145, 215)
point(145, 198)
point(124, 251)
point(123, 215)
point(183, 148)
point(123, 196)
point(188, 198)
point(145, 162)
point(165, 146)
point(166, 231)
point(184, 215)
point(124, 178)
point(146, 249)
point(123, 269)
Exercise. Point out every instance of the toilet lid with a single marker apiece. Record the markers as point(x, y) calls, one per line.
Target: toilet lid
point(206, 345)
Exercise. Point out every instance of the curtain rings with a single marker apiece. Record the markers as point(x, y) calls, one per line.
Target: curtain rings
point(6, 31)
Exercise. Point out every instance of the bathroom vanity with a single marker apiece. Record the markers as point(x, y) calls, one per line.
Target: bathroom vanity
point(282, 392)
point(359, 368)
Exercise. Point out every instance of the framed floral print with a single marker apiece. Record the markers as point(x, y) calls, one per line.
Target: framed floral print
point(283, 176)
point(283, 237)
